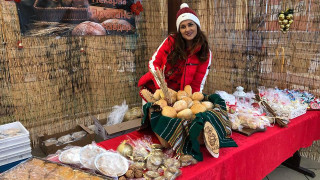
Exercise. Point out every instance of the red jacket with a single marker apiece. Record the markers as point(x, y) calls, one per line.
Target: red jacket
point(194, 72)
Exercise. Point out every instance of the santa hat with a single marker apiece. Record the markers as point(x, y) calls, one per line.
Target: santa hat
point(185, 13)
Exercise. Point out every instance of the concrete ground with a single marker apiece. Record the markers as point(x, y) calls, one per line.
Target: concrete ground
point(284, 173)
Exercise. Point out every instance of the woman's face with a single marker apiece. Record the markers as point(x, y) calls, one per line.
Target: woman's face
point(188, 29)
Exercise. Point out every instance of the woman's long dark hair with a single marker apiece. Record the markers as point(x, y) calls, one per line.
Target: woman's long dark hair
point(180, 45)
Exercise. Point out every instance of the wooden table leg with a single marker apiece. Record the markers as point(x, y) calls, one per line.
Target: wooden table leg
point(294, 164)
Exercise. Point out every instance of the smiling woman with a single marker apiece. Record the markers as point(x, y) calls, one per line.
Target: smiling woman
point(184, 56)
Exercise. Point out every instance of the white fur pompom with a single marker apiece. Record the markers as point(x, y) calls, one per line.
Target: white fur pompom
point(184, 5)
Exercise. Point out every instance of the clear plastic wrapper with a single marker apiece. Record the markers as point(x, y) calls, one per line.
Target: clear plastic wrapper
point(78, 135)
point(42, 169)
point(111, 164)
point(51, 141)
point(88, 154)
point(70, 156)
point(92, 127)
point(65, 139)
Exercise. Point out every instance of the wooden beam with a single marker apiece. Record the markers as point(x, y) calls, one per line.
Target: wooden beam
point(173, 8)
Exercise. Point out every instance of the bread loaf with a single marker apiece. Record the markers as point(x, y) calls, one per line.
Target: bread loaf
point(173, 95)
point(185, 114)
point(207, 104)
point(197, 96)
point(188, 101)
point(162, 103)
point(188, 89)
point(198, 108)
point(196, 102)
point(156, 94)
point(181, 95)
point(180, 105)
point(169, 112)
point(147, 95)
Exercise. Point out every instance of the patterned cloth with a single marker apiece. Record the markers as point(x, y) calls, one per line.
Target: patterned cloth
point(182, 135)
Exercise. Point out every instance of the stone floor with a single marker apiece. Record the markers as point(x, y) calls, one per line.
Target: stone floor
point(284, 173)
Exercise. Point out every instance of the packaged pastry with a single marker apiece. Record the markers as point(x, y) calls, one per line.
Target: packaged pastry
point(111, 164)
point(50, 141)
point(92, 127)
point(139, 154)
point(153, 162)
point(11, 132)
point(187, 160)
point(78, 135)
point(65, 139)
point(88, 154)
point(152, 174)
point(70, 156)
point(172, 162)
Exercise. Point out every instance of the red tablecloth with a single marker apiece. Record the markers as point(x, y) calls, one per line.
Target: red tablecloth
point(256, 156)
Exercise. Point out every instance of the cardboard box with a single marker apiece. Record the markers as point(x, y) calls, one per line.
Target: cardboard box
point(52, 148)
point(108, 132)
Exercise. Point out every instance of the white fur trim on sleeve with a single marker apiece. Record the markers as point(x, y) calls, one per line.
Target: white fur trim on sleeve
point(207, 72)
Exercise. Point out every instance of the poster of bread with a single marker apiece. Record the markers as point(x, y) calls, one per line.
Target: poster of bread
point(78, 17)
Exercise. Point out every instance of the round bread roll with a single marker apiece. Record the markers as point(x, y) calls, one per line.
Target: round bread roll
point(188, 101)
point(162, 103)
point(207, 104)
point(185, 114)
point(198, 108)
point(88, 28)
point(173, 95)
point(197, 96)
point(188, 89)
point(156, 94)
point(181, 95)
point(180, 105)
point(195, 102)
point(169, 112)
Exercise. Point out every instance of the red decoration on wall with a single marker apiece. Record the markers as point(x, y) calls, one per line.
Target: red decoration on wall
point(136, 8)
point(19, 43)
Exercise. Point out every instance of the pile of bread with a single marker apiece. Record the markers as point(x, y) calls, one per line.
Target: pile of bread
point(184, 104)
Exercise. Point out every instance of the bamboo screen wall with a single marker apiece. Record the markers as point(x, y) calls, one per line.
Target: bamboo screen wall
point(50, 85)
point(249, 49)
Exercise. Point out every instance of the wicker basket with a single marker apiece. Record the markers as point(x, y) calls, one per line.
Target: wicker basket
point(61, 14)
